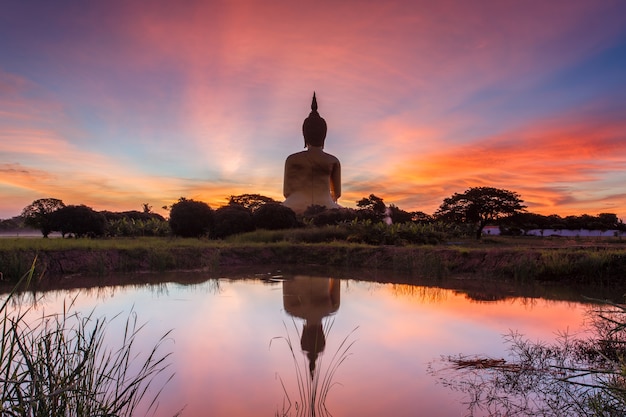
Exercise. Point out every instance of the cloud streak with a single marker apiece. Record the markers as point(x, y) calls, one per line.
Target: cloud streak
point(133, 104)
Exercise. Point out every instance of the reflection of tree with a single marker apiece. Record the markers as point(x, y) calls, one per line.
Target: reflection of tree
point(571, 377)
point(422, 294)
point(312, 299)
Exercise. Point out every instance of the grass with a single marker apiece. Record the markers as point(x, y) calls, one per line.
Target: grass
point(41, 244)
point(60, 365)
point(600, 261)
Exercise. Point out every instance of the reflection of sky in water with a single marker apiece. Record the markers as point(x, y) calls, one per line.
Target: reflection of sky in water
point(225, 365)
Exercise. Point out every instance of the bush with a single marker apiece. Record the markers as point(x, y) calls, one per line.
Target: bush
point(367, 215)
point(329, 217)
point(189, 218)
point(230, 220)
point(125, 227)
point(394, 234)
point(274, 216)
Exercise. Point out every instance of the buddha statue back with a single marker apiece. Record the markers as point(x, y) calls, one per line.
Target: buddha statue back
point(312, 177)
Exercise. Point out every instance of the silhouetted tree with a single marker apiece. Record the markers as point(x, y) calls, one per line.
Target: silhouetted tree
point(12, 224)
point(250, 201)
point(230, 220)
point(373, 203)
point(398, 215)
point(480, 205)
point(274, 216)
point(371, 208)
point(37, 214)
point(610, 221)
point(189, 218)
point(78, 220)
point(421, 217)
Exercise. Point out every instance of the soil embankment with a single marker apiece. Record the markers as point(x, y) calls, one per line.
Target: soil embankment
point(572, 264)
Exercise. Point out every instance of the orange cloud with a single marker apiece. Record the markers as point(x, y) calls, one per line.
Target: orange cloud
point(546, 163)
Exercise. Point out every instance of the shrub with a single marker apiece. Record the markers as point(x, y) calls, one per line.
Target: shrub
point(189, 218)
point(231, 220)
point(126, 227)
point(395, 234)
point(331, 217)
point(274, 216)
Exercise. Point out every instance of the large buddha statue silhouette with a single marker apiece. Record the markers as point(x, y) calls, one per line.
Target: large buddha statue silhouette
point(312, 177)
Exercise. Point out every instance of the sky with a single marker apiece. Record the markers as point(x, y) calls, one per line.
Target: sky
point(114, 104)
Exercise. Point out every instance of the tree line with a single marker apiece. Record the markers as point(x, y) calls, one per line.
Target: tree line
point(475, 208)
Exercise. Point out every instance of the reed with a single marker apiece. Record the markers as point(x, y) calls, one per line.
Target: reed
point(60, 365)
point(312, 388)
point(570, 377)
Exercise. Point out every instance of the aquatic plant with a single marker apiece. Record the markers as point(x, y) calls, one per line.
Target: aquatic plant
point(571, 377)
point(60, 365)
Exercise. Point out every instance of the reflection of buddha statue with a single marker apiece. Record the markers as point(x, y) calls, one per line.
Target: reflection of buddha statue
point(311, 299)
point(312, 177)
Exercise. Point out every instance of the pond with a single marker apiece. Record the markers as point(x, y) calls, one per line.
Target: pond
point(272, 342)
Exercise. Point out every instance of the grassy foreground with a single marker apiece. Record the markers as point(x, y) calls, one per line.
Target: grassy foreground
point(61, 365)
point(591, 261)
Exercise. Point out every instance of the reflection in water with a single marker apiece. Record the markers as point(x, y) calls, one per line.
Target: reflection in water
point(222, 327)
point(312, 299)
point(572, 376)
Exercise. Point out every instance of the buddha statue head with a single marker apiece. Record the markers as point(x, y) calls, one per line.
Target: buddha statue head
point(314, 127)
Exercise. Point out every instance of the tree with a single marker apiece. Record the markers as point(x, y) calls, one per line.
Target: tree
point(372, 208)
point(398, 215)
point(421, 217)
point(190, 218)
point(480, 205)
point(373, 203)
point(37, 214)
point(79, 221)
point(250, 201)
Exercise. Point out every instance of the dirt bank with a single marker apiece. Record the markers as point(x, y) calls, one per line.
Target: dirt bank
point(592, 265)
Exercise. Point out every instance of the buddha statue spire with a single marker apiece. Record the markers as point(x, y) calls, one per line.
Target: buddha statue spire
point(314, 127)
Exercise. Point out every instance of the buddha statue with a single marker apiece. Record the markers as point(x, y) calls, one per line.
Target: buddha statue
point(312, 177)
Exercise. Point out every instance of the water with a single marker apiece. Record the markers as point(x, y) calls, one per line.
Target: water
point(239, 350)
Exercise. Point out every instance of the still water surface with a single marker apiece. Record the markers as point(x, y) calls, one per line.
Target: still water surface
point(249, 344)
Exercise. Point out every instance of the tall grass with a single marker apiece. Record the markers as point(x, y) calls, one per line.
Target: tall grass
point(312, 388)
point(60, 365)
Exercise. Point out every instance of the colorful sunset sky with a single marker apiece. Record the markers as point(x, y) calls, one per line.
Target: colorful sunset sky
point(117, 103)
